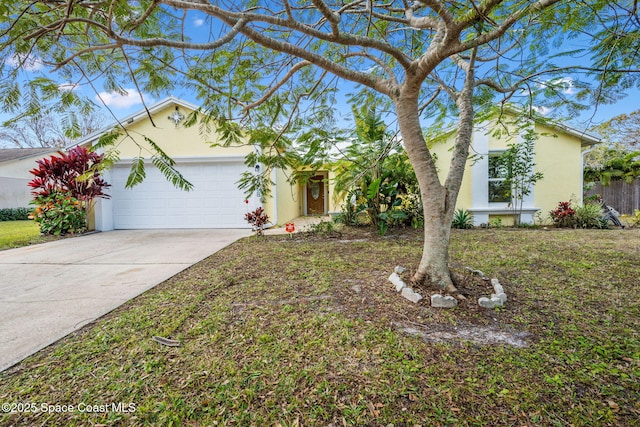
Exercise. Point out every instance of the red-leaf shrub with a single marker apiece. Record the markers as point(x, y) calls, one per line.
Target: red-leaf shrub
point(563, 215)
point(76, 172)
point(258, 219)
point(64, 188)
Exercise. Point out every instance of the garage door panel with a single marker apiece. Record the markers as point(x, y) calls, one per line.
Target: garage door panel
point(214, 202)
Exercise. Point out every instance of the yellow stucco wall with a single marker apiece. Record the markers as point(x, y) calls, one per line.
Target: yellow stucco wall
point(289, 197)
point(441, 149)
point(557, 155)
point(177, 141)
point(286, 198)
point(560, 160)
point(335, 203)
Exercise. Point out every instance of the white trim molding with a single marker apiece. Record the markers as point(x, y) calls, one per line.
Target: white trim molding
point(481, 215)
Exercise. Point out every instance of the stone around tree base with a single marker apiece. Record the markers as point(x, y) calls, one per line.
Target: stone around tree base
point(490, 302)
point(497, 287)
point(502, 297)
point(412, 296)
point(397, 282)
point(475, 272)
point(439, 301)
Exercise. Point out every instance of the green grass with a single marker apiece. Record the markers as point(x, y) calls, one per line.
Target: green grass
point(307, 331)
point(19, 233)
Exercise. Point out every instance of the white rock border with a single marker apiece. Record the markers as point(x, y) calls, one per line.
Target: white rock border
point(440, 301)
point(497, 299)
point(402, 287)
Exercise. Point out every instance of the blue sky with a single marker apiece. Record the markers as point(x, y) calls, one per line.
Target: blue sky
point(123, 105)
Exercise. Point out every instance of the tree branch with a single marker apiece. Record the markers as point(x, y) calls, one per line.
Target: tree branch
point(230, 18)
point(278, 85)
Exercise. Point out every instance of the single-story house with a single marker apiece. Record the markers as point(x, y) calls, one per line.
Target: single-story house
point(15, 164)
point(215, 200)
point(558, 154)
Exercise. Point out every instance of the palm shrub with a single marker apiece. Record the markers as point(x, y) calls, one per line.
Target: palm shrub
point(462, 219)
point(589, 215)
point(376, 177)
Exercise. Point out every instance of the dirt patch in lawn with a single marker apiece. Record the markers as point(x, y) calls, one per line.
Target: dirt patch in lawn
point(371, 297)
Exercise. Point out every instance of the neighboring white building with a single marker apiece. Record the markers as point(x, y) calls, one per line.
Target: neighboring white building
point(15, 164)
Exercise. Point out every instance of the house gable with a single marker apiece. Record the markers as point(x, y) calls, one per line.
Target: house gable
point(15, 164)
point(163, 123)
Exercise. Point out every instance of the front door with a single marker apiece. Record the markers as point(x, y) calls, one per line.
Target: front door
point(315, 196)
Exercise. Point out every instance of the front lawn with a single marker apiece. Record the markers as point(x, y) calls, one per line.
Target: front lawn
point(307, 331)
point(20, 233)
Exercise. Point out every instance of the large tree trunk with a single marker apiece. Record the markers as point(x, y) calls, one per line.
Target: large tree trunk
point(438, 200)
point(438, 211)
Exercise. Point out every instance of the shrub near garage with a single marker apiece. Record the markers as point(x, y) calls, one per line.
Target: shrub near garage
point(258, 220)
point(65, 187)
point(59, 213)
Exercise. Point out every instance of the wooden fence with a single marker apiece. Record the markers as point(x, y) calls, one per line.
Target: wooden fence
point(623, 197)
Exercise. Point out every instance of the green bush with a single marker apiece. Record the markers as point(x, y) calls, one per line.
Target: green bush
point(59, 213)
point(14, 214)
point(635, 219)
point(568, 215)
point(412, 206)
point(462, 219)
point(589, 215)
point(495, 223)
point(323, 228)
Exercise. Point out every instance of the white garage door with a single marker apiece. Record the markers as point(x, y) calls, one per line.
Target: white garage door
point(214, 201)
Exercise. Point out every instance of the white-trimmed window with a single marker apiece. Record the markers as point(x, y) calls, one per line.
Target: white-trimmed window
point(498, 193)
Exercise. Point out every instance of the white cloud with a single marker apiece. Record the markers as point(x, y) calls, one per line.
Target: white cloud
point(564, 84)
point(27, 63)
point(567, 83)
point(69, 87)
point(542, 110)
point(198, 22)
point(129, 99)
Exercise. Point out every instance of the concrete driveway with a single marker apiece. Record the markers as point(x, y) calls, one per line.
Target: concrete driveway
point(52, 289)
